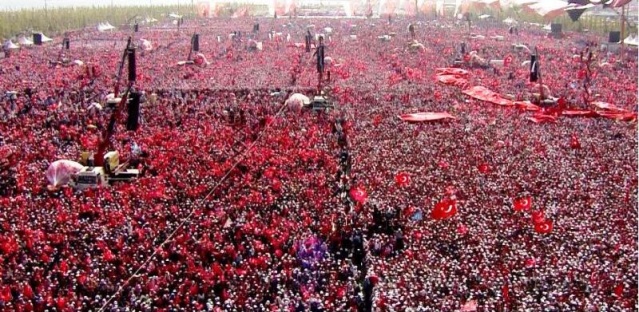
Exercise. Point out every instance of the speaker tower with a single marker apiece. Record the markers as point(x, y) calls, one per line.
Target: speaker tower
point(131, 61)
point(195, 41)
point(133, 111)
point(37, 39)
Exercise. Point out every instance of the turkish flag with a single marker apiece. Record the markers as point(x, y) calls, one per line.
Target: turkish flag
point(574, 142)
point(484, 168)
point(402, 179)
point(444, 210)
point(544, 227)
point(377, 120)
point(522, 204)
point(538, 217)
point(358, 194)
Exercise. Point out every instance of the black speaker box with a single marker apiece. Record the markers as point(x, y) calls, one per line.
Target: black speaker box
point(133, 111)
point(136, 27)
point(37, 39)
point(131, 61)
point(614, 37)
point(195, 41)
point(555, 28)
point(66, 42)
point(534, 68)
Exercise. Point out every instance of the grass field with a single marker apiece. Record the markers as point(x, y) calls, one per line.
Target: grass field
point(55, 21)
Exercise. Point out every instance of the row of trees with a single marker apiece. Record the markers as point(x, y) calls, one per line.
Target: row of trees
point(57, 20)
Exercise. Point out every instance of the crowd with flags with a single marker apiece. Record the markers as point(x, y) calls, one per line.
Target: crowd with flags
point(428, 188)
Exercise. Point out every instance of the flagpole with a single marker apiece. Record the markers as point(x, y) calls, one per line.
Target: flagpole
point(541, 84)
point(623, 29)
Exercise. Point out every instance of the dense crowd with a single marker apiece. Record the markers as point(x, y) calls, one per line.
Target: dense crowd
point(248, 205)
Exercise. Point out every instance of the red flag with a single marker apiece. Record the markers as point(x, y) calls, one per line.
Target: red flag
point(377, 120)
point(623, 116)
point(402, 179)
point(522, 204)
point(429, 116)
point(508, 60)
point(620, 3)
point(544, 227)
point(530, 263)
point(484, 168)
point(574, 142)
point(538, 217)
point(358, 194)
point(542, 118)
point(561, 104)
point(373, 279)
point(504, 292)
point(444, 210)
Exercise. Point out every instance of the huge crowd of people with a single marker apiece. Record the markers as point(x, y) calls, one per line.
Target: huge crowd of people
point(248, 204)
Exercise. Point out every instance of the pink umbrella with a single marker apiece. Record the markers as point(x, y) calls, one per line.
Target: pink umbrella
point(59, 172)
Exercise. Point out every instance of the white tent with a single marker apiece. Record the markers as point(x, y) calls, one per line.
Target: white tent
point(10, 45)
point(173, 15)
point(632, 40)
point(254, 45)
point(24, 41)
point(510, 21)
point(105, 26)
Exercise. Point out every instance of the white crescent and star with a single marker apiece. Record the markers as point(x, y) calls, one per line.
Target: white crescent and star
point(449, 209)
